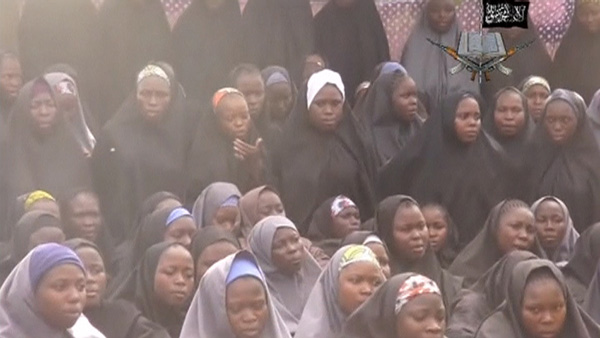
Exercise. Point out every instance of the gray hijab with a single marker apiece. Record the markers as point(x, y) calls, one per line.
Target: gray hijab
point(323, 316)
point(429, 66)
point(207, 316)
point(290, 292)
point(210, 200)
point(564, 252)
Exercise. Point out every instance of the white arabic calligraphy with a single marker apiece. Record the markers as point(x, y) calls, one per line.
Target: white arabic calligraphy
point(505, 13)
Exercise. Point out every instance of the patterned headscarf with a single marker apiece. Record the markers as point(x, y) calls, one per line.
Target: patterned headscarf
point(415, 286)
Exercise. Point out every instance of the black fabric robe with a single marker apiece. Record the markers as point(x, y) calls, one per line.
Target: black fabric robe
point(580, 269)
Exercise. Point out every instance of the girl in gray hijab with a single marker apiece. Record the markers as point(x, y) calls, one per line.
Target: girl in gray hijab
point(428, 65)
point(211, 315)
point(219, 195)
point(290, 271)
point(555, 230)
point(331, 300)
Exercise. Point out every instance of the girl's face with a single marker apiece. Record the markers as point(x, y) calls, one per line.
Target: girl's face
point(467, 121)
point(96, 277)
point(83, 219)
point(247, 308)
point(234, 117)
point(422, 317)
point(551, 224)
point(253, 88)
point(181, 231)
point(279, 99)
point(509, 115)
point(327, 109)
point(60, 296)
point(411, 236)
point(346, 222)
point(588, 14)
point(404, 99)
point(212, 254)
point(227, 218)
point(174, 278)
point(516, 230)
point(437, 226)
point(441, 14)
point(382, 257)
point(543, 309)
point(287, 252)
point(357, 282)
point(154, 98)
point(269, 204)
point(560, 121)
point(11, 78)
point(536, 100)
point(43, 112)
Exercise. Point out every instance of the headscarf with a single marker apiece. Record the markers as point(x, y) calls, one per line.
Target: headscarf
point(534, 80)
point(578, 272)
point(390, 134)
point(273, 75)
point(507, 318)
point(352, 39)
point(483, 251)
point(210, 200)
point(567, 246)
point(377, 317)
point(432, 165)
point(208, 236)
point(278, 33)
point(138, 288)
point(290, 292)
point(473, 305)
point(430, 66)
point(591, 304)
point(19, 316)
point(569, 171)
point(427, 265)
point(323, 316)
point(62, 83)
point(311, 166)
point(573, 70)
point(593, 114)
point(207, 316)
point(319, 230)
point(53, 163)
point(249, 207)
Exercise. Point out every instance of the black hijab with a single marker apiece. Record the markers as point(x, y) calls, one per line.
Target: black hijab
point(311, 166)
point(54, 162)
point(135, 158)
point(131, 33)
point(206, 46)
point(579, 271)
point(576, 64)
point(483, 251)
point(427, 265)
point(432, 168)
point(390, 134)
point(352, 39)
point(319, 229)
point(117, 319)
point(480, 300)
point(139, 290)
point(569, 172)
point(507, 318)
point(278, 33)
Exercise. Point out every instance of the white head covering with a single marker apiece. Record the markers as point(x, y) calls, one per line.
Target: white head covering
point(319, 80)
point(207, 316)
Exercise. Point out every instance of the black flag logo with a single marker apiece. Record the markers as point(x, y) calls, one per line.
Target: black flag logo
point(505, 13)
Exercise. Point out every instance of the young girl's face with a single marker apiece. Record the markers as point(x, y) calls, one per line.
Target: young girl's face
point(181, 231)
point(422, 317)
point(411, 236)
point(437, 226)
point(536, 100)
point(174, 278)
point(212, 254)
point(405, 99)
point(346, 222)
point(96, 277)
point(543, 309)
point(516, 230)
point(550, 224)
point(382, 257)
point(247, 308)
point(588, 14)
point(357, 282)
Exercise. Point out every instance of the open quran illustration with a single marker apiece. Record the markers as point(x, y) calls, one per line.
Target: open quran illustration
point(480, 53)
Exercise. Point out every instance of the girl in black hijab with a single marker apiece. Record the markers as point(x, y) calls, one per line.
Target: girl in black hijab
point(278, 33)
point(40, 152)
point(510, 226)
point(161, 286)
point(538, 304)
point(206, 46)
point(11, 80)
point(115, 319)
point(390, 113)
point(565, 158)
point(211, 244)
point(402, 226)
point(351, 36)
point(480, 300)
point(432, 166)
point(443, 234)
point(323, 153)
point(143, 149)
point(576, 66)
point(579, 272)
